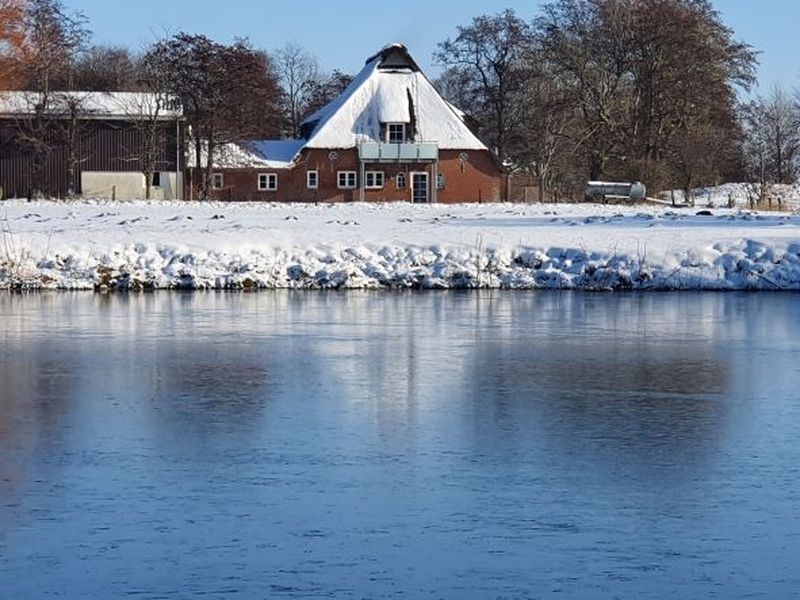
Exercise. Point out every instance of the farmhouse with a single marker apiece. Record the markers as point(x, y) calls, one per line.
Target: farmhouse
point(390, 136)
point(91, 144)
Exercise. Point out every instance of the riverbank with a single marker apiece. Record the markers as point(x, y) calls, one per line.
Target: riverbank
point(190, 245)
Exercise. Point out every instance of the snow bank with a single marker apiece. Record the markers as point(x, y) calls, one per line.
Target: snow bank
point(168, 245)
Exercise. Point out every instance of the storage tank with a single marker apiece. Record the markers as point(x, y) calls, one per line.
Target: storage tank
point(605, 191)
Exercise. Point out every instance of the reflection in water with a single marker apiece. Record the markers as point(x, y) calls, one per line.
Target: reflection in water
point(443, 445)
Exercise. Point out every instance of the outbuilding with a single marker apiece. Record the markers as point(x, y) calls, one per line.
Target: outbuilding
point(91, 144)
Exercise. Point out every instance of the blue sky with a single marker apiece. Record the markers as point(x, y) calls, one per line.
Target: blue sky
point(343, 33)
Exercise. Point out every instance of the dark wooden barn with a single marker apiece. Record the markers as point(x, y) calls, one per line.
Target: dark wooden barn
point(91, 145)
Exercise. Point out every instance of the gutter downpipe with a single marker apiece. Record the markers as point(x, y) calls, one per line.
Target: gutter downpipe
point(435, 182)
point(178, 178)
point(361, 179)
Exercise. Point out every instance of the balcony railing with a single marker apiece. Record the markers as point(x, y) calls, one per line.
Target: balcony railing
point(408, 152)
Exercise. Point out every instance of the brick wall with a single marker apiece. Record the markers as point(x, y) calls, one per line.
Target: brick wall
point(469, 176)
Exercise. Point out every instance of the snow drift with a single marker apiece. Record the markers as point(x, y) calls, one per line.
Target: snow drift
point(185, 245)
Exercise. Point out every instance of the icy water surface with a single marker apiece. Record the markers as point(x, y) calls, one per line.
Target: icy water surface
point(436, 445)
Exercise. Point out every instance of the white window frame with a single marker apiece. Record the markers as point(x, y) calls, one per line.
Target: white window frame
point(389, 133)
point(270, 182)
point(316, 179)
point(374, 180)
point(349, 175)
point(404, 179)
point(217, 181)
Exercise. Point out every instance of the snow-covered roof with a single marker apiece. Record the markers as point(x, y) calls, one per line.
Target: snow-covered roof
point(266, 154)
point(390, 88)
point(93, 105)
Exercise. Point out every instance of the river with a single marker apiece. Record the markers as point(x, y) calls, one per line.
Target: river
point(434, 445)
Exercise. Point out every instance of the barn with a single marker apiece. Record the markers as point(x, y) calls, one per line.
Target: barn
point(390, 136)
point(91, 144)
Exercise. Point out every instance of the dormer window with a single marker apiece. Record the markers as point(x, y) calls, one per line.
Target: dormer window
point(396, 133)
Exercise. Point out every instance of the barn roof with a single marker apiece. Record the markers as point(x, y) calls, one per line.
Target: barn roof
point(92, 105)
point(390, 88)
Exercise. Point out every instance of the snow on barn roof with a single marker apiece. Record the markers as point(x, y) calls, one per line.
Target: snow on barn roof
point(268, 154)
point(390, 88)
point(92, 105)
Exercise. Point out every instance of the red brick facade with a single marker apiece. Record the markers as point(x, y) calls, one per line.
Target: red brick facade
point(469, 176)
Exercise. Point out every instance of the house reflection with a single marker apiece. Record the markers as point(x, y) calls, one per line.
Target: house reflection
point(628, 384)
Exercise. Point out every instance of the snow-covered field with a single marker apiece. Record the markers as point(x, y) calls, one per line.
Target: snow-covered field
point(143, 245)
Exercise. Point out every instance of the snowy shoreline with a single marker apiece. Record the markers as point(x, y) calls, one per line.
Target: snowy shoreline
point(104, 245)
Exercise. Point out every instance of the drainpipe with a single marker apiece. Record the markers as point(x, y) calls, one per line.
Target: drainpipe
point(178, 185)
point(361, 180)
point(435, 184)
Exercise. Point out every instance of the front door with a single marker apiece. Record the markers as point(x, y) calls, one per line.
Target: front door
point(419, 187)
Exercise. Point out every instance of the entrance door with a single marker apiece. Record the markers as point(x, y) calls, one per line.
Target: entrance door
point(419, 187)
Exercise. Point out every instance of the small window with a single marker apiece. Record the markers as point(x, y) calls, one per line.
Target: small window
point(373, 180)
point(400, 181)
point(267, 182)
point(312, 180)
point(347, 180)
point(396, 133)
point(157, 179)
point(440, 181)
point(217, 182)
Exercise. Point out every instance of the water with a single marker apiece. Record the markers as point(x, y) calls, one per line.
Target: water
point(436, 445)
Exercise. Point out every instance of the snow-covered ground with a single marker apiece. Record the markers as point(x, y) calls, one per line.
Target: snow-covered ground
point(142, 245)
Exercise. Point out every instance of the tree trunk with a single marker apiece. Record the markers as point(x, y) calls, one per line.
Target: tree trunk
point(209, 171)
point(541, 189)
point(35, 188)
point(597, 163)
point(198, 145)
point(71, 177)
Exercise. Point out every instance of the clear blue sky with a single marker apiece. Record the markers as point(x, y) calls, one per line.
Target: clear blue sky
point(343, 33)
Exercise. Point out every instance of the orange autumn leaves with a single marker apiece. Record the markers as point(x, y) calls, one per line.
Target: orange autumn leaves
point(12, 42)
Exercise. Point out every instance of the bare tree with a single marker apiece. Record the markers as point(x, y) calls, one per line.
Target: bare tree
point(70, 133)
point(325, 89)
point(544, 140)
point(636, 68)
point(230, 93)
point(457, 85)
point(106, 69)
point(298, 73)
point(53, 39)
point(773, 137)
point(491, 53)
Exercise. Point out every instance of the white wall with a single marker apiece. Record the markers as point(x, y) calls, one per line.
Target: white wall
point(128, 185)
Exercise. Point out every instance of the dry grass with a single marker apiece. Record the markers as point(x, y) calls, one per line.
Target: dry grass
point(17, 260)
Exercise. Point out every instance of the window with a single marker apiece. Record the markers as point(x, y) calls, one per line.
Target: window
point(400, 182)
point(268, 182)
point(312, 180)
point(440, 181)
point(218, 182)
point(373, 180)
point(396, 133)
point(156, 179)
point(347, 180)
